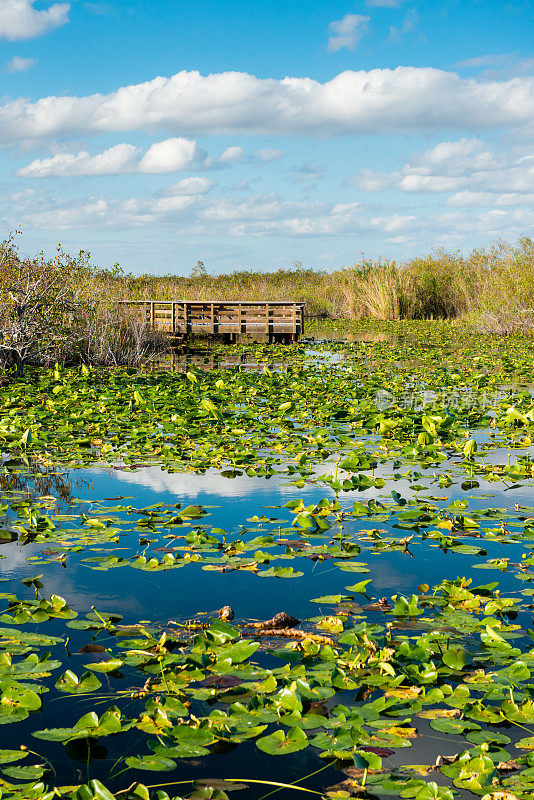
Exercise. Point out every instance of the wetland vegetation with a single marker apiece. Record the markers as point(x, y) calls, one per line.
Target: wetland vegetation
point(65, 310)
point(491, 288)
point(376, 488)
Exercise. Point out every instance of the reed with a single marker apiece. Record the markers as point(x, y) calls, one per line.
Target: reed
point(493, 283)
point(65, 309)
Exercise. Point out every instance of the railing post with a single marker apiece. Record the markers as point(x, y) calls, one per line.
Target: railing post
point(187, 319)
point(268, 321)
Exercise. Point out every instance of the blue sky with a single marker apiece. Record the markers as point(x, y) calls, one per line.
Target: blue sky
point(258, 135)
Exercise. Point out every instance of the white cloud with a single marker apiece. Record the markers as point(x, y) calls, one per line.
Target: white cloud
point(189, 485)
point(232, 155)
point(469, 167)
point(499, 64)
point(170, 155)
point(20, 20)
point(187, 186)
point(267, 154)
point(256, 208)
point(192, 212)
point(454, 158)
point(195, 215)
point(427, 183)
point(240, 186)
point(18, 64)
point(347, 32)
point(369, 181)
point(485, 199)
point(100, 9)
point(390, 101)
point(173, 155)
point(121, 158)
point(488, 60)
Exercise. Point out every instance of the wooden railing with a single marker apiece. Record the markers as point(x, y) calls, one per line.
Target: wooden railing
point(275, 319)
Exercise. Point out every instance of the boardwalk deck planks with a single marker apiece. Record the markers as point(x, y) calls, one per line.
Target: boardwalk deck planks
point(276, 320)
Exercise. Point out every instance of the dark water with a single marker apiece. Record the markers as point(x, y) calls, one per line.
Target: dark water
point(181, 594)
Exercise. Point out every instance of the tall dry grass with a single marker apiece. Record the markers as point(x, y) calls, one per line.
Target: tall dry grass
point(318, 289)
point(79, 318)
point(489, 286)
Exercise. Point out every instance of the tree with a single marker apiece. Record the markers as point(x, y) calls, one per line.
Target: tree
point(199, 270)
point(39, 298)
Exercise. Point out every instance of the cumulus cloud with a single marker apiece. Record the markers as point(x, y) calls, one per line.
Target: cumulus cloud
point(18, 64)
point(232, 155)
point(20, 20)
point(390, 101)
point(469, 167)
point(170, 155)
point(347, 32)
point(173, 155)
point(121, 158)
point(187, 186)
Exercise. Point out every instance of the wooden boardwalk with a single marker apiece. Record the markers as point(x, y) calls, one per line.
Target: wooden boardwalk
point(273, 320)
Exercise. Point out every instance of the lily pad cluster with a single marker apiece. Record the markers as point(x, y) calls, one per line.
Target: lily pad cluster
point(384, 469)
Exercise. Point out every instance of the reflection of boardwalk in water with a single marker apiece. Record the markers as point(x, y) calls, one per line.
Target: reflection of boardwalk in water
point(276, 321)
point(206, 362)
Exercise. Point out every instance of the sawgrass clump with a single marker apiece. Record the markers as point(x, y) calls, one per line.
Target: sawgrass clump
point(492, 287)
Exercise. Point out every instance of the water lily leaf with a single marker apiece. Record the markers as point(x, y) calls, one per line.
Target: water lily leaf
point(111, 665)
point(151, 763)
point(222, 784)
point(332, 599)
point(69, 682)
point(359, 588)
point(454, 726)
point(239, 652)
point(17, 701)
point(456, 658)
point(480, 737)
point(94, 790)
point(29, 637)
point(280, 572)
point(351, 566)
point(25, 773)
point(7, 756)
point(278, 743)
point(526, 744)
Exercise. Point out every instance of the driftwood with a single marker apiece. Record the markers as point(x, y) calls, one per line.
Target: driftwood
point(282, 625)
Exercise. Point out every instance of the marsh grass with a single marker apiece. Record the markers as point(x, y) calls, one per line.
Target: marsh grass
point(490, 287)
point(66, 310)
